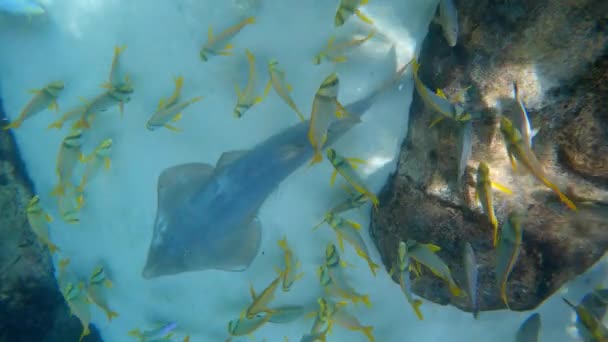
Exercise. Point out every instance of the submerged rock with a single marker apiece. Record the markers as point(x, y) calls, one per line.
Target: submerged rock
point(557, 53)
point(31, 306)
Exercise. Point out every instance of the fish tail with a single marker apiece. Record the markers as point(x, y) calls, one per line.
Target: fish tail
point(363, 17)
point(368, 331)
point(503, 293)
point(317, 157)
point(365, 300)
point(416, 306)
point(372, 266)
point(85, 332)
point(111, 314)
point(13, 125)
point(454, 290)
point(52, 247)
point(282, 243)
point(495, 226)
point(57, 124)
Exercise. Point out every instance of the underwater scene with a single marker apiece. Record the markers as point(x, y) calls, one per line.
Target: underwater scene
point(316, 170)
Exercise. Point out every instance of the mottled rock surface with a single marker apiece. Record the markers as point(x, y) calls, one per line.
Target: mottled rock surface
point(31, 306)
point(557, 53)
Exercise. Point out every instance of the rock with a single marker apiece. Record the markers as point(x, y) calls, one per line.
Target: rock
point(557, 53)
point(31, 305)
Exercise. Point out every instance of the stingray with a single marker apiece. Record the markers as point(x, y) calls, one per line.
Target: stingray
point(207, 216)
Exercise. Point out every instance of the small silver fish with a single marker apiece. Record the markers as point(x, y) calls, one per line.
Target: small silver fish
point(507, 252)
point(527, 132)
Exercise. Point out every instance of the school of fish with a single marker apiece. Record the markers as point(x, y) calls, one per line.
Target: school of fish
point(331, 309)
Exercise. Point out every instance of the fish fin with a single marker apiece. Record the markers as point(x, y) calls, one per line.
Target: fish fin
point(13, 125)
point(341, 112)
point(57, 124)
point(340, 242)
point(177, 117)
point(267, 88)
point(436, 121)
point(34, 91)
point(354, 224)
point(107, 162)
point(210, 34)
point(53, 106)
point(48, 218)
point(316, 158)
point(229, 157)
point(433, 248)
point(232, 250)
point(172, 128)
point(459, 96)
point(339, 59)
point(258, 100)
point(161, 104)
point(512, 160)
point(176, 182)
point(332, 180)
point(494, 223)
point(228, 47)
point(111, 314)
point(369, 333)
point(354, 161)
point(501, 188)
point(52, 247)
point(252, 290)
point(331, 41)
point(108, 283)
point(416, 306)
point(225, 53)
point(289, 87)
point(441, 94)
point(278, 270)
point(363, 17)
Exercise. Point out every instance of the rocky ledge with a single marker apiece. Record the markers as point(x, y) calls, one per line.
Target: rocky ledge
point(31, 306)
point(557, 53)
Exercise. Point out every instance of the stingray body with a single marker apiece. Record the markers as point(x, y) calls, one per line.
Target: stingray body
point(207, 216)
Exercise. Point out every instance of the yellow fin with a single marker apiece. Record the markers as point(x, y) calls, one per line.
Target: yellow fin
point(339, 59)
point(267, 88)
point(512, 160)
point(332, 180)
point(289, 87)
point(363, 17)
point(354, 224)
point(441, 94)
point(161, 104)
point(210, 34)
point(502, 188)
point(177, 117)
point(172, 128)
point(436, 121)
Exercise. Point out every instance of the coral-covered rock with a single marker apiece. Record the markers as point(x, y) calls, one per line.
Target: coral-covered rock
point(556, 53)
point(31, 306)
